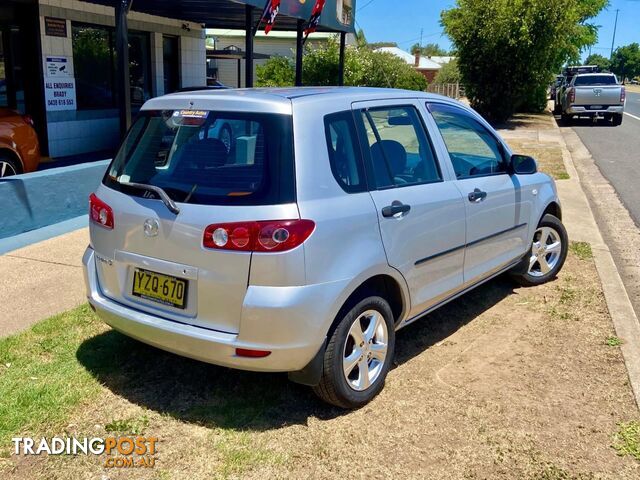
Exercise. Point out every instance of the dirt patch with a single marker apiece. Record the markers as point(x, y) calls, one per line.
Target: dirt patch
point(503, 383)
point(548, 156)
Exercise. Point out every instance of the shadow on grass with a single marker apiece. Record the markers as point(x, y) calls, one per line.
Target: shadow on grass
point(213, 396)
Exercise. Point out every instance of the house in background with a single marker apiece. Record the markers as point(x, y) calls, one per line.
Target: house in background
point(427, 66)
point(226, 69)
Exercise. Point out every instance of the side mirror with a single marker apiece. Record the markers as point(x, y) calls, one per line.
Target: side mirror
point(523, 165)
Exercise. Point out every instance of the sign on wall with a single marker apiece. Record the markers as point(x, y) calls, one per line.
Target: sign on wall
point(60, 93)
point(55, 27)
point(57, 67)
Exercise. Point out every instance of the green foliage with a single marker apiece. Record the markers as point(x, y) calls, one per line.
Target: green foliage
point(627, 440)
point(509, 49)
point(375, 45)
point(625, 62)
point(429, 50)
point(276, 72)
point(449, 73)
point(363, 67)
point(599, 60)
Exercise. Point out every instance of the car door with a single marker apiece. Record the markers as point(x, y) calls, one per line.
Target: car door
point(420, 210)
point(496, 216)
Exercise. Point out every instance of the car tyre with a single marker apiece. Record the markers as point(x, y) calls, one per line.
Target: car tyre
point(548, 252)
point(358, 355)
point(617, 119)
point(9, 166)
point(566, 119)
point(557, 108)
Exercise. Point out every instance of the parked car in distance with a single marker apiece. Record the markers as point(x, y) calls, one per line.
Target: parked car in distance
point(554, 87)
point(339, 216)
point(594, 95)
point(19, 148)
point(567, 75)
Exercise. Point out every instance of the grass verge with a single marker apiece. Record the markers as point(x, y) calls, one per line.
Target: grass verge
point(627, 440)
point(41, 381)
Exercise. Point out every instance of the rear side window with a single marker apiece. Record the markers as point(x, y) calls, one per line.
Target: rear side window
point(400, 151)
point(209, 158)
point(344, 152)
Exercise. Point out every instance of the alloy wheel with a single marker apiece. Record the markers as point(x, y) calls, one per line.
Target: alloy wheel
point(6, 169)
point(545, 252)
point(365, 350)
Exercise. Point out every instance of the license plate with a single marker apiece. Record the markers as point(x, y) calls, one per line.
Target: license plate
point(164, 289)
point(596, 107)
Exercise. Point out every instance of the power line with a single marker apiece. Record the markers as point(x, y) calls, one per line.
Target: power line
point(365, 5)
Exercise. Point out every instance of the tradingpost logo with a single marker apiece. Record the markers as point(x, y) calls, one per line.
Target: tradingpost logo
point(121, 452)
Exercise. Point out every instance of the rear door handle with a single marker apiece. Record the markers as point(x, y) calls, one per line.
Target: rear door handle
point(395, 208)
point(477, 195)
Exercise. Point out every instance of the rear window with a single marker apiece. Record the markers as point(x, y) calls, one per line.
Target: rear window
point(595, 80)
point(207, 157)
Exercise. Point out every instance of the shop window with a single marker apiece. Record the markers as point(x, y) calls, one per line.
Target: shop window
point(93, 60)
point(94, 65)
point(170, 63)
point(139, 68)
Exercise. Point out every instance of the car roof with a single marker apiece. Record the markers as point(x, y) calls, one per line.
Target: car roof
point(278, 100)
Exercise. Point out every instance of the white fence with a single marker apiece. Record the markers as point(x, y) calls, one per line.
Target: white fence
point(453, 90)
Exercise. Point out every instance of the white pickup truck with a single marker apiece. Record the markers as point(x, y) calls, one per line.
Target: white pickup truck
point(594, 95)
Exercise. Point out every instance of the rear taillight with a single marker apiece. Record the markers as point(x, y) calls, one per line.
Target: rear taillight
point(264, 236)
point(623, 94)
point(100, 213)
point(29, 120)
point(572, 95)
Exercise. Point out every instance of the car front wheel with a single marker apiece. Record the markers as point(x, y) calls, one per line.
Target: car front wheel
point(547, 255)
point(8, 166)
point(358, 355)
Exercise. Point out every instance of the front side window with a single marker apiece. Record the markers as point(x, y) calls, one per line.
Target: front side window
point(209, 158)
point(473, 150)
point(400, 151)
point(344, 154)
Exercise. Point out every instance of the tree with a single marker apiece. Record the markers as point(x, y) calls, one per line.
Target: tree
point(449, 73)
point(596, 59)
point(361, 39)
point(375, 45)
point(429, 50)
point(508, 49)
point(363, 67)
point(625, 62)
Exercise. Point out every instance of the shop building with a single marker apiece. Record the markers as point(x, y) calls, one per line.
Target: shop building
point(82, 68)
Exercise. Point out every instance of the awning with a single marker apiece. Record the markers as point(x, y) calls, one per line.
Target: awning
point(337, 15)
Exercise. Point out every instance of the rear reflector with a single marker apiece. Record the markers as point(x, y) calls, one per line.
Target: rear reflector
point(263, 236)
point(100, 213)
point(245, 352)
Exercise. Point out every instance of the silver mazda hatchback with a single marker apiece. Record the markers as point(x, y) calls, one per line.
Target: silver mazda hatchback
point(296, 230)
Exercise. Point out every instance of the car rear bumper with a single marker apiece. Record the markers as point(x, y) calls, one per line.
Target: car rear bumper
point(580, 110)
point(290, 322)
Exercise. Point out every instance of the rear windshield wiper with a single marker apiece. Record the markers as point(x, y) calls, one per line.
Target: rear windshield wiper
point(170, 204)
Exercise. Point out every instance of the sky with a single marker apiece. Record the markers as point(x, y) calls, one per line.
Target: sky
point(401, 21)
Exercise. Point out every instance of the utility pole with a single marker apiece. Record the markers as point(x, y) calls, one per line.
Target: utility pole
point(421, 32)
point(615, 27)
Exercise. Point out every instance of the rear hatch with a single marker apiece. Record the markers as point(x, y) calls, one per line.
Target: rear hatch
point(177, 173)
point(597, 91)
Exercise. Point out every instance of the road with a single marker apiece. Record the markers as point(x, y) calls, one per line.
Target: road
point(616, 151)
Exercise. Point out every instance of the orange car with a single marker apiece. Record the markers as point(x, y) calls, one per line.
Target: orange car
point(19, 149)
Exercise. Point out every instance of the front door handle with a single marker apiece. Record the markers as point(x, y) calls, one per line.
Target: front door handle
point(395, 208)
point(477, 195)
